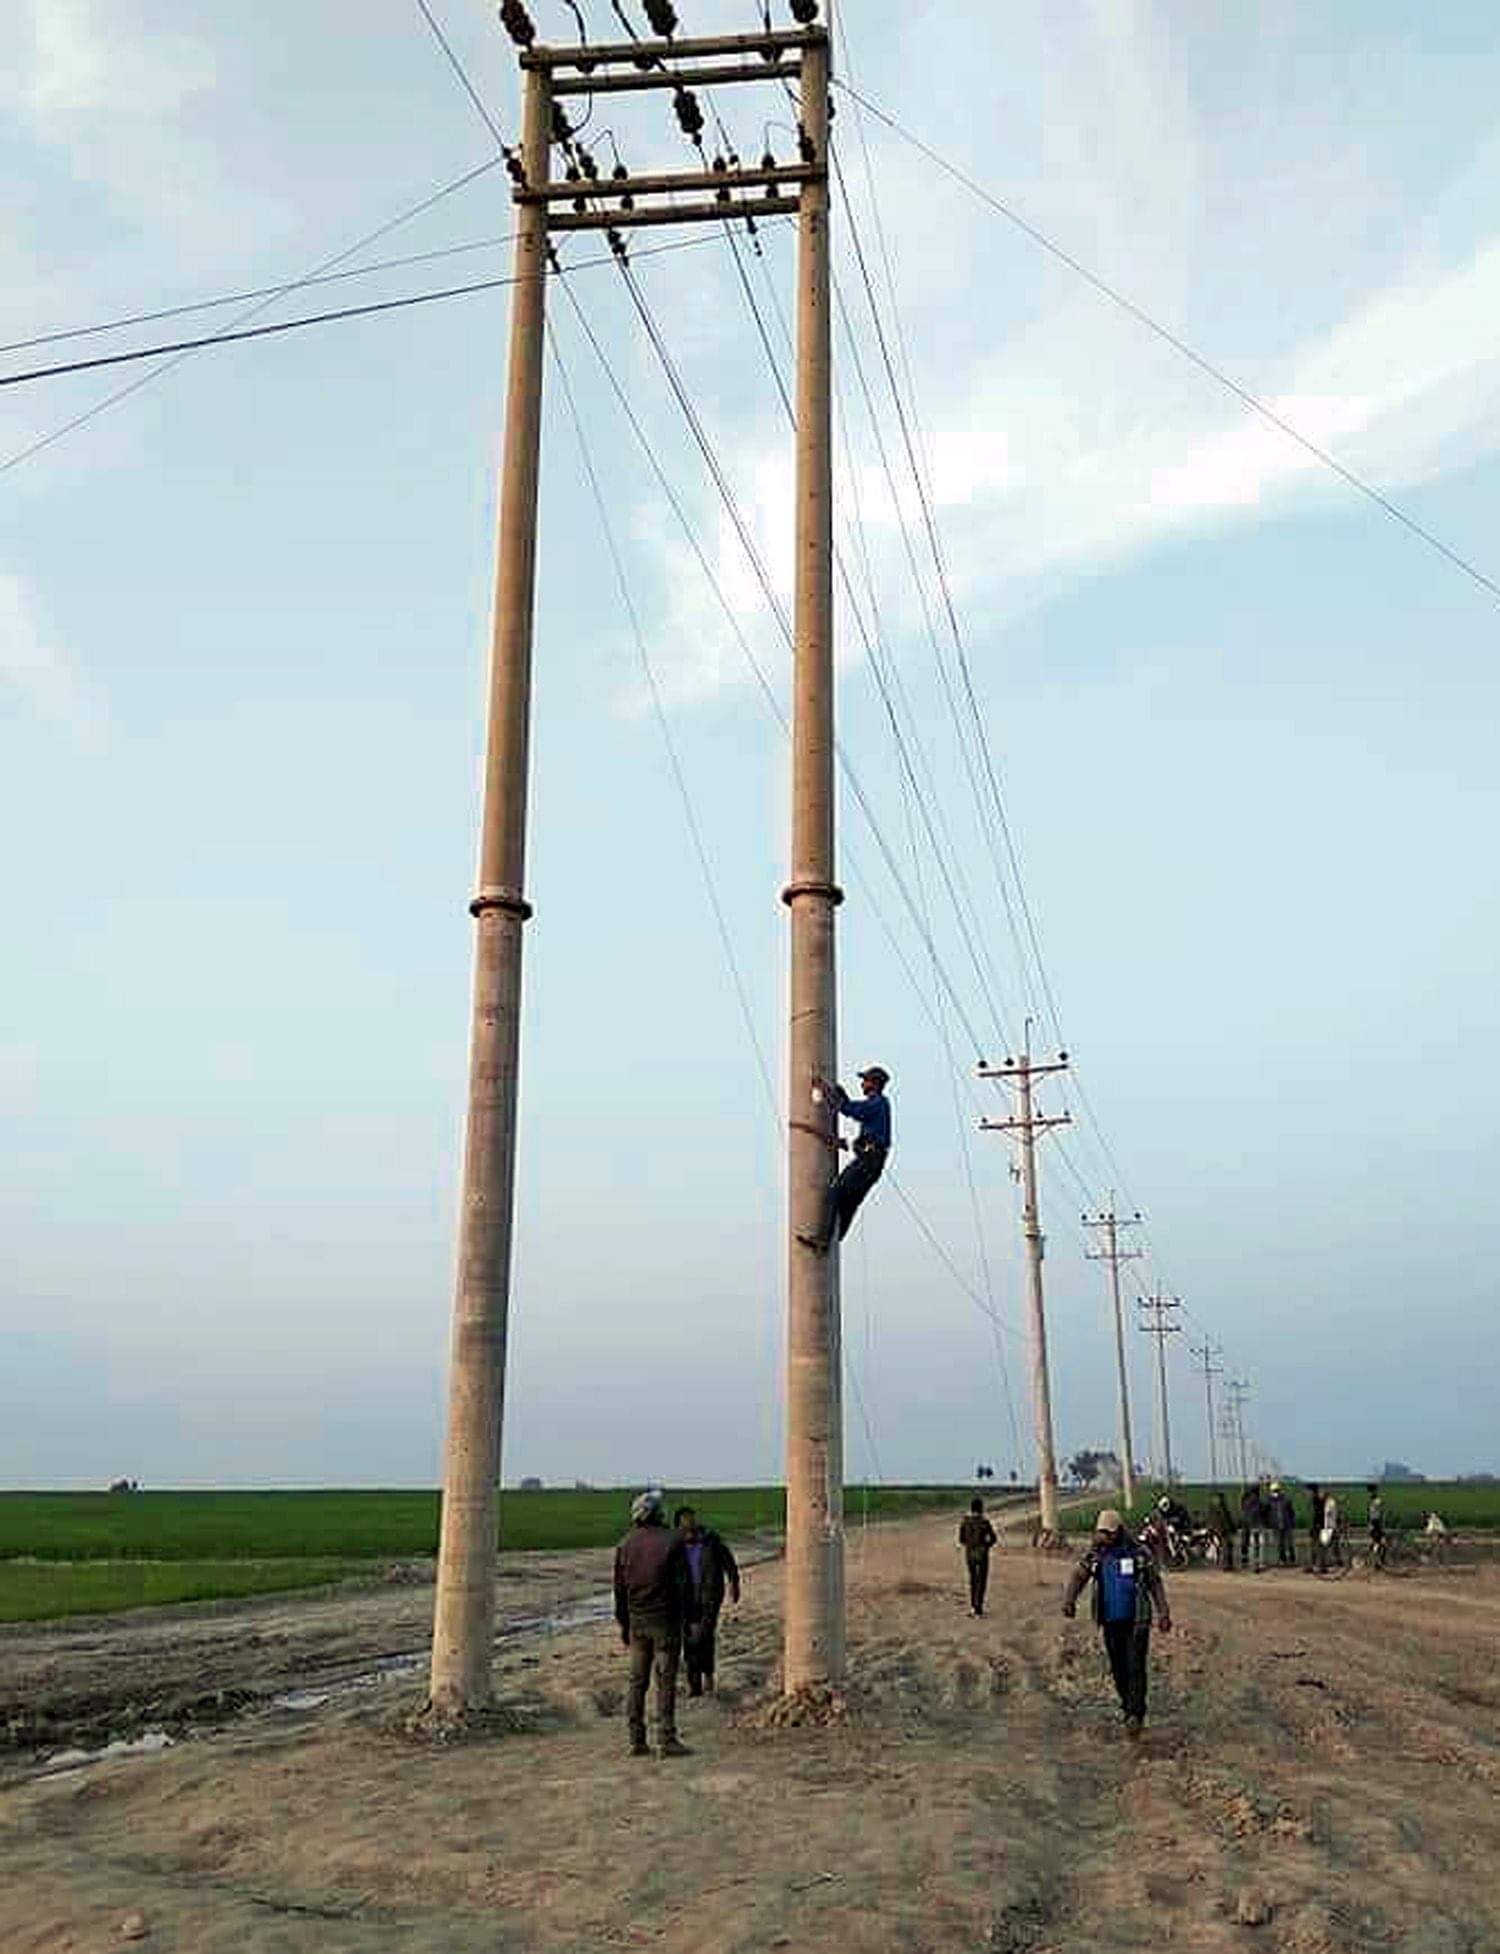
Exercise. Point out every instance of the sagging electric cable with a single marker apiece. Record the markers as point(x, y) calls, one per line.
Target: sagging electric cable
point(910, 789)
point(1179, 345)
point(168, 365)
point(675, 502)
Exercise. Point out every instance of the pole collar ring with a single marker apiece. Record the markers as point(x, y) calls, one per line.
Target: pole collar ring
point(504, 900)
point(830, 891)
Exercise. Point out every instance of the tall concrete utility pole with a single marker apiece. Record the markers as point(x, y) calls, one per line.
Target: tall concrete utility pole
point(1204, 1357)
point(814, 1650)
point(1024, 1126)
point(1110, 1224)
point(463, 1625)
point(1158, 1323)
point(464, 1613)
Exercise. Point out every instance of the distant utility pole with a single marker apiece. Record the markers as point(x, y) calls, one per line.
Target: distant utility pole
point(548, 204)
point(1227, 1435)
point(1024, 1126)
point(1204, 1356)
point(1239, 1389)
point(1110, 1224)
point(1158, 1323)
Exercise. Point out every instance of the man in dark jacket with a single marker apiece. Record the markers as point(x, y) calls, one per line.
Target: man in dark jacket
point(1284, 1521)
point(711, 1569)
point(1128, 1592)
point(977, 1538)
point(1317, 1558)
point(652, 1602)
point(1255, 1522)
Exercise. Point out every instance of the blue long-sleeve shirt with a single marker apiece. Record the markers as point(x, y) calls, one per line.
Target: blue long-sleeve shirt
point(873, 1115)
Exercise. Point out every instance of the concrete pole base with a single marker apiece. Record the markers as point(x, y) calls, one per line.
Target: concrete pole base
point(464, 1723)
point(814, 1706)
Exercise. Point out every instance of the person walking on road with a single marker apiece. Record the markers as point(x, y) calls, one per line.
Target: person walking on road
point(978, 1539)
point(872, 1146)
point(1128, 1594)
point(712, 1569)
point(652, 1604)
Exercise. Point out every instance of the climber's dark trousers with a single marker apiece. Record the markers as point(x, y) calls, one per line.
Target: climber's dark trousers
point(849, 1190)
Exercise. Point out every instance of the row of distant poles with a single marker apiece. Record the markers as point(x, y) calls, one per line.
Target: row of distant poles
point(463, 1629)
point(1158, 1314)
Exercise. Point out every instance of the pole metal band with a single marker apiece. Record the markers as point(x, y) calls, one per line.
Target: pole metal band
point(830, 891)
point(503, 900)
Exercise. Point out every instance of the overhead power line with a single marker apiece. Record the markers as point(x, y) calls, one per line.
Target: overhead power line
point(44, 441)
point(669, 744)
point(874, 634)
point(230, 336)
point(463, 78)
point(256, 292)
point(1179, 345)
point(987, 1308)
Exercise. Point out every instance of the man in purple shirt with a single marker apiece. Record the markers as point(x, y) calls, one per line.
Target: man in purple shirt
point(872, 1144)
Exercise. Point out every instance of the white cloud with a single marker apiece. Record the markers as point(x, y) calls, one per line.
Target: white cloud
point(114, 101)
point(37, 678)
point(1064, 438)
point(81, 67)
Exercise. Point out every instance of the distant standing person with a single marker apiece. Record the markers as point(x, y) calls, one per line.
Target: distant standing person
point(1316, 1500)
point(712, 1569)
point(872, 1146)
point(1128, 1593)
point(1330, 1534)
point(1284, 1524)
point(978, 1539)
point(1221, 1525)
point(1376, 1522)
point(1254, 1523)
point(652, 1602)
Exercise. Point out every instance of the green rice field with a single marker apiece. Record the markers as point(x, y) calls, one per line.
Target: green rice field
point(84, 1553)
point(34, 1591)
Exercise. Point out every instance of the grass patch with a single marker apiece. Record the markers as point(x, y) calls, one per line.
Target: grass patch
point(341, 1526)
point(33, 1591)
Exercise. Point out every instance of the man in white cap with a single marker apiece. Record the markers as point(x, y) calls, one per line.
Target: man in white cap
point(1128, 1593)
point(652, 1602)
point(872, 1146)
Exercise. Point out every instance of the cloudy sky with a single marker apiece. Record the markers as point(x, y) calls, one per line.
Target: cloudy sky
point(1244, 720)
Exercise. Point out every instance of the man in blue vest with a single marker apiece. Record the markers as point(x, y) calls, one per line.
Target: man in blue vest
point(1128, 1593)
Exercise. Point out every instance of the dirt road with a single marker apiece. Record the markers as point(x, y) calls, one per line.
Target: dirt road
point(1322, 1758)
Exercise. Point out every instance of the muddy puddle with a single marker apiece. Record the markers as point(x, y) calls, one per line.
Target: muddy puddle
point(318, 1693)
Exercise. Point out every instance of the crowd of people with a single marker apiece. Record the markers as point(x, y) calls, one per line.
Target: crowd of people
point(1260, 1530)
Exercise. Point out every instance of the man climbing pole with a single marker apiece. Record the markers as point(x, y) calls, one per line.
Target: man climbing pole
point(872, 1144)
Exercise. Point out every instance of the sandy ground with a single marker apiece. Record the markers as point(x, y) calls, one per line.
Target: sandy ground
point(1322, 1757)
